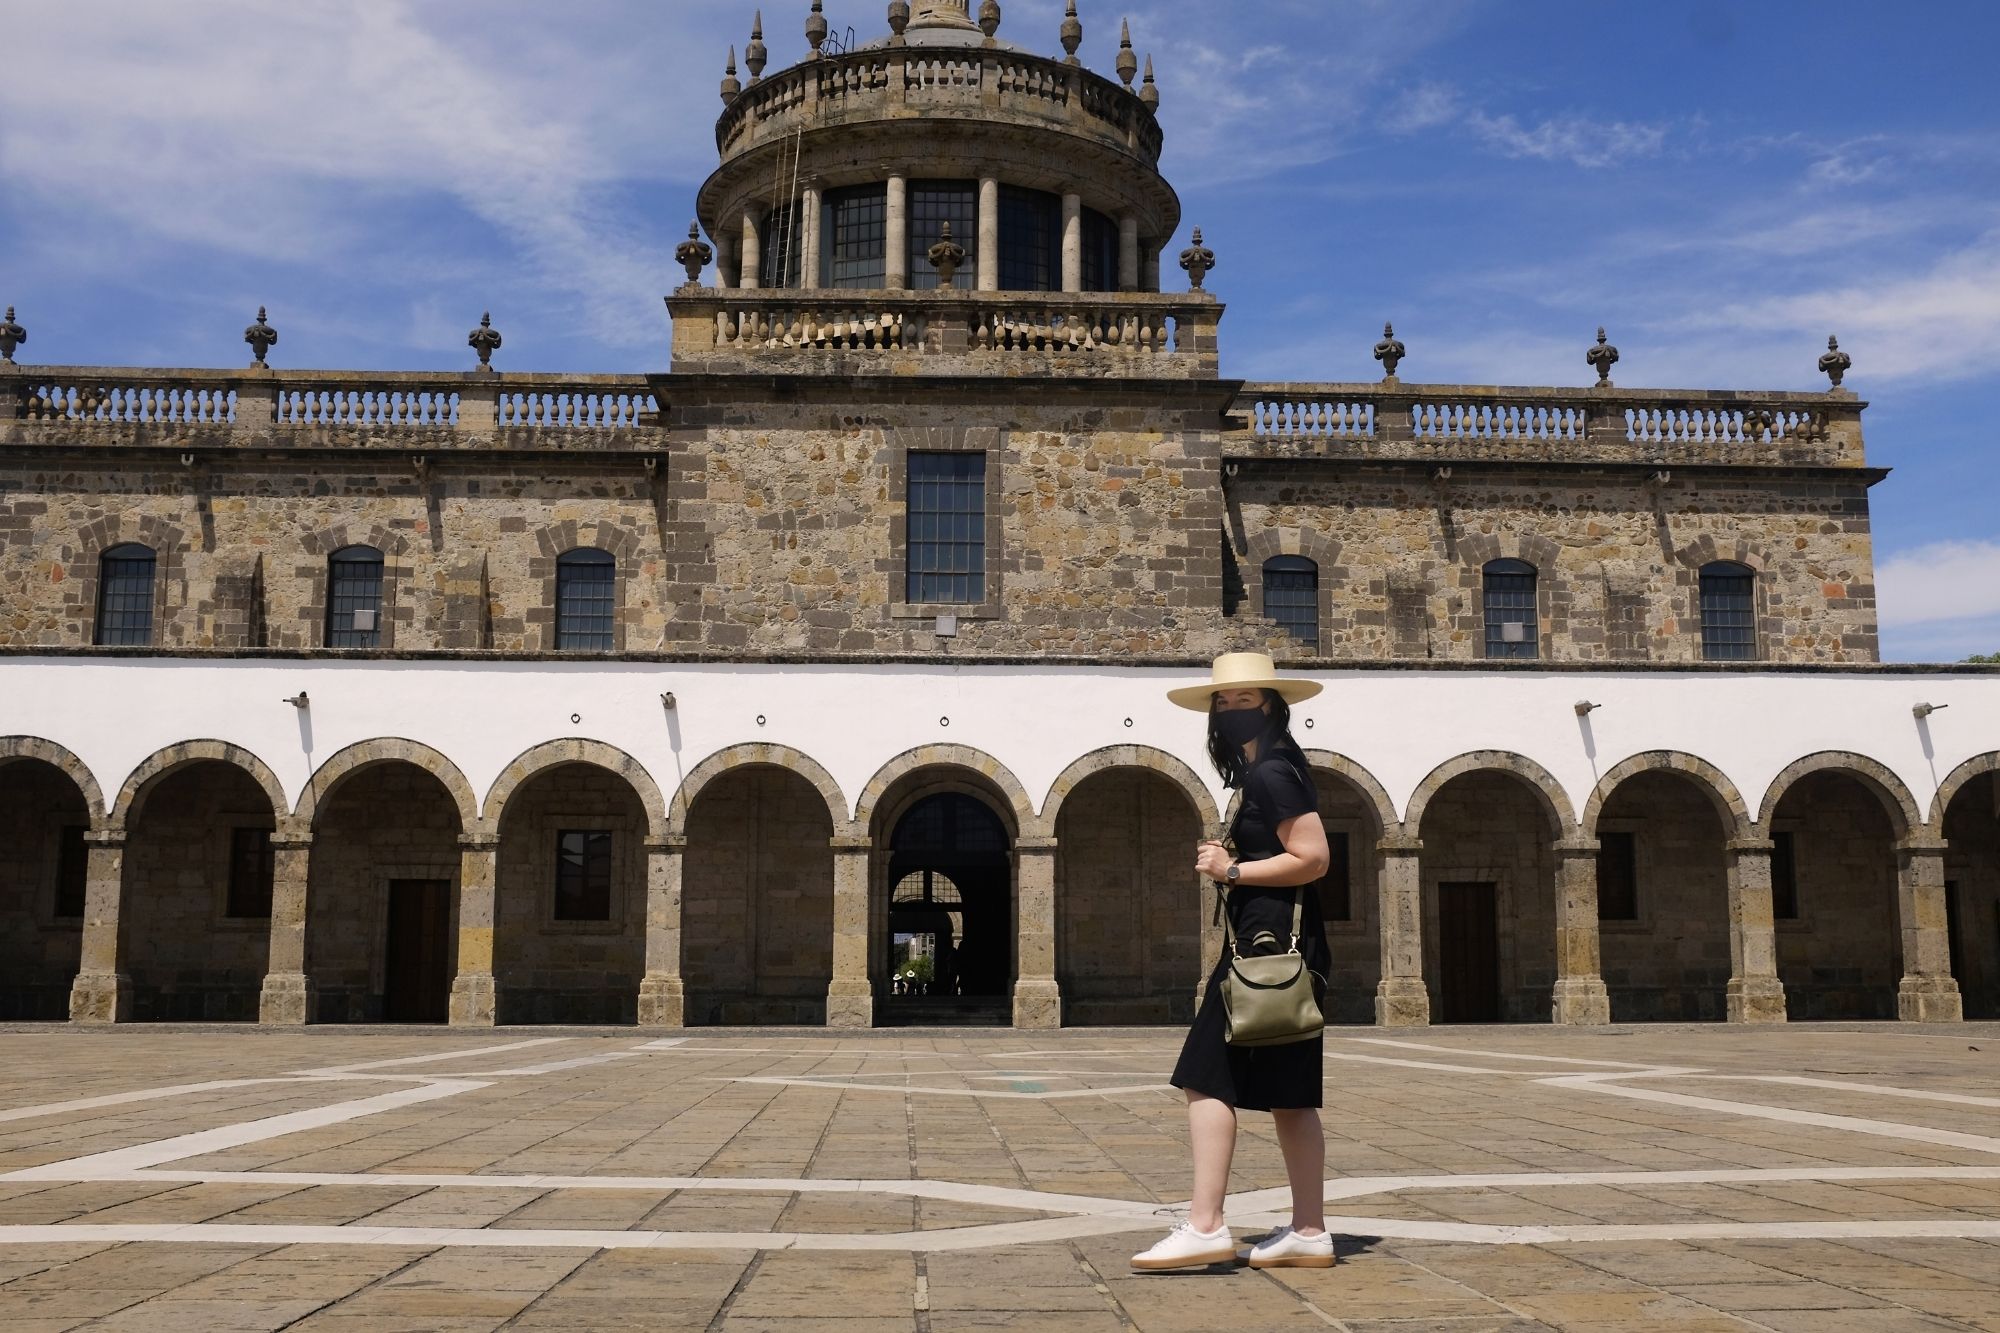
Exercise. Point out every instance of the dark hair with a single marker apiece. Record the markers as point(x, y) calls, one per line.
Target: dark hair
point(1228, 759)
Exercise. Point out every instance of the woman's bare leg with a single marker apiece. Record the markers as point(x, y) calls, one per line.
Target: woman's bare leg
point(1212, 1129)
point(1303, 1143)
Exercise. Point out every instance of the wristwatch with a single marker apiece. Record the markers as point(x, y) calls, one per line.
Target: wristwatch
point(1232, 873)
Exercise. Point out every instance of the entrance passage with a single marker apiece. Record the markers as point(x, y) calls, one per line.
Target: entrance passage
point(950, 915)
point(1468, 953)
point(419, 957)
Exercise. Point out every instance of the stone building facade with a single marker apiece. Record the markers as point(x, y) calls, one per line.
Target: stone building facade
point(585, 680)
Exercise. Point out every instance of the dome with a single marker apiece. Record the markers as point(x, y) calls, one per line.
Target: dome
point(942, 23)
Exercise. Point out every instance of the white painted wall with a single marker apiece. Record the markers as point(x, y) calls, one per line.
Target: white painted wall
point(1399, 725)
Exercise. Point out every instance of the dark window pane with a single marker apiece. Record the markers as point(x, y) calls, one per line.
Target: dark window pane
point(1510, 600)
point(586, 588)
point(125, 596)
point(1291, 596)
point(856, 229)
point(1617, 877)
point(354, 598)
point(1728, 613)
point(1030, 240)
point(583, 876)
point(1100, 252)
point(778, 260)
point(932, 204)
point(72, 873)
point(1784, 877)
point(251, 870)
point(947, 528)
point(1336, 888)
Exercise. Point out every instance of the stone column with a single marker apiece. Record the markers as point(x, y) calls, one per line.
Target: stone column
point(287, 997)
point(1756, 995)
point(1037, 999)
point(896, 236)
point(850, 997)
point(474, 993)
point(662, 994)
point(725, 260)
point(809, 238)
point(1072, 243)
point(1580, 996)
point(752, 276)
point(102, 992)
point(1151, 277)
point(1401, 998)
point(1928, 993)
point(989, 235)
point(1129, 259)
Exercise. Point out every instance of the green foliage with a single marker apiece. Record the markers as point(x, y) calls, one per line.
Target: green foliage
point(1991, 659)
point(920, 970)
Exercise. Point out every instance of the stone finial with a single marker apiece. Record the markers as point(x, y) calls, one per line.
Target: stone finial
point(1834, 365)
point(756, 55)
point(1390, 351)
point(1601, 358)
point(12, 335)
point(485, 340)
point(1198, 260)
point(989, 18)
point(694, 253)
point(899, 19)
point(1072, 34)
point(1128, 59)
point(732, 87)
point(261, 337)
point(946, 256)
point(816, 27)
point(1150, 92)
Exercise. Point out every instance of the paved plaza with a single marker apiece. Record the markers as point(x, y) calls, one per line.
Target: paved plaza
point(1808, 1178)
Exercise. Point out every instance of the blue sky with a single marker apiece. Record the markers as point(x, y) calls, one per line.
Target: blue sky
point(1721, 184)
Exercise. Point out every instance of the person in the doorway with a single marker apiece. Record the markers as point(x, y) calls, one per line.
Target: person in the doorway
point(1280, 847)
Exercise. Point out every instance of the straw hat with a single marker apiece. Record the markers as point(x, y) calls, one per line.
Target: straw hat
point(1243, 671)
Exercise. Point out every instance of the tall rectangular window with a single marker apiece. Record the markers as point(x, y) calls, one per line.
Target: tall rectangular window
point(72, 873)
point(583, 875)
point(1728, 613)
point(932, 204)
point(1030, 240)
point(1291, 596)
point(778, 263)
point(1336, 887)
point(125, 597)
point(586, 601)
point(856, 228)
point(1617, 877)
point(1100, 252)
point(1511, 617)
point(947, 528)
point(1784, 877)
point(354, 598)
point(252, 870)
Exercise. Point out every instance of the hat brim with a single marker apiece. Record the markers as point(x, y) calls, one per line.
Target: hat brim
point(1201, 698)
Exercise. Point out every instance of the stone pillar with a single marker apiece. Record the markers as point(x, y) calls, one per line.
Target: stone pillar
point(1928, 993)
point(752, 275)
point(809, 238)
point(1129, 260)
point(1072, 243)
point(1037, 999)
point(850, 997)
point(474, 993)
point(102, 992)
point(1151, 276)
point(1580, 996)
point(1756, 995)
point(725, 261)
point(287, 997)
point(989, 235)
point(1401, 999)
point(896, 236)
point(662, 994)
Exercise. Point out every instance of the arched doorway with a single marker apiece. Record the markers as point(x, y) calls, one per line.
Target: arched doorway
point(1489, 900)
point(44, 864)
point(1971, 828)
point(949, 919)
point(1663, 900)
point(1833, 897)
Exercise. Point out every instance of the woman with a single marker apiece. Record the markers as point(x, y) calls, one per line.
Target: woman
point(1280, 847)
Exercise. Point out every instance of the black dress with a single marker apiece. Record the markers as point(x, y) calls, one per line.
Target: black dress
point(1262, 1078)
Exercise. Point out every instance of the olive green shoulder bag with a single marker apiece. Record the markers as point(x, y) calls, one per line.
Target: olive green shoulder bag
point(1268, 999)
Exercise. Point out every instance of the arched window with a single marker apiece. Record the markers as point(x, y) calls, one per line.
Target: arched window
point(354, 598)
point(1728, 612)
point(125, 596)
point(1511, 619)
point(586, 587)
point(1291, 596)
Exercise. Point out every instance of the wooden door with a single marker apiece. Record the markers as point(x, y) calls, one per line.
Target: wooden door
point(419, 963)
point(1468, 953)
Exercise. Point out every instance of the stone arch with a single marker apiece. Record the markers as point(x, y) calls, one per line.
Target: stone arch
point(1026, 825)
point(55, 756)
point(576, 750)
point(1476, 550)
point(1895, 797)
point(326, 779)
point(398, 578)
point(1169, 766)
point(1707, 550)
point(1956, 782)
point(1729, 804)
point(1300, 540)
point(747, 755)
point(1373, 794)
point(85, 567)
point(163, 762)
point(1554, 801)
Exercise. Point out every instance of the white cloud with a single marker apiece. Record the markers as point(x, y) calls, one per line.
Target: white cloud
point(1579, 140)
point(1941, 583)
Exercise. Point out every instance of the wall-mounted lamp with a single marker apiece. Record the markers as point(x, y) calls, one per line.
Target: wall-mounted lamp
point(1584, 707)
point(299, 700)
point(1923, 711)
point(668, 702)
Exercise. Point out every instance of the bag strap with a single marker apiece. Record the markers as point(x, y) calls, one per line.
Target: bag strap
point(1221, 896)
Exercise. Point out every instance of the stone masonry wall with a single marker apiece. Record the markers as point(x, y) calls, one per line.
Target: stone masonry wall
point(1842, 957)
point(1672, 964)
point(38, 950)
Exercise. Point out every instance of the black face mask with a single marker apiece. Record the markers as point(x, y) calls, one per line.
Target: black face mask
point(1240, 726)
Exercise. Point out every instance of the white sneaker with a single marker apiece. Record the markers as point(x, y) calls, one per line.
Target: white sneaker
point(1185, 1247)
point(1286, 1248)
